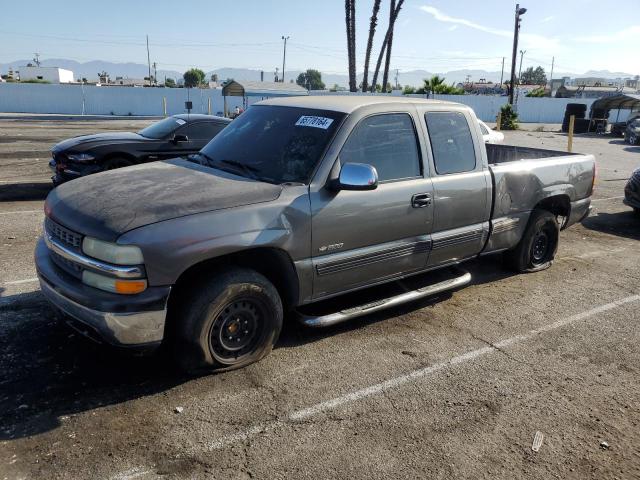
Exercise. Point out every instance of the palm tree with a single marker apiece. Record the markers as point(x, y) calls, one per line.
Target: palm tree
point(372, 30)
point(350, 20)
point(433, 84)
point(385, 42)
point(385, 76)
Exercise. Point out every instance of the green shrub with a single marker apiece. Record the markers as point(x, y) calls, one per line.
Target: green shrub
point(509, 118)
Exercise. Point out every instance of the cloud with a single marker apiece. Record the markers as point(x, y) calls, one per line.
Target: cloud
point(452, 28)
point(532, 40)
point(548, 19)
point(624, 34)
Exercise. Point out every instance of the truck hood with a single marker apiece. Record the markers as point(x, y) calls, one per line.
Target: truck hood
point(108, 204)
point(87, 141)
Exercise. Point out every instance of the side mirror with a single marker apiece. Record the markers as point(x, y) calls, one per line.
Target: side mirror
point(356, 176)
point(180, 138)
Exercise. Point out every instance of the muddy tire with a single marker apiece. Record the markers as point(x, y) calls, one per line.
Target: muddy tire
point(538, 245)
point(227, 321)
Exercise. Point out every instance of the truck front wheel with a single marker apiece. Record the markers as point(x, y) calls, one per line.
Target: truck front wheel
point(538, 245)
point(228, 321)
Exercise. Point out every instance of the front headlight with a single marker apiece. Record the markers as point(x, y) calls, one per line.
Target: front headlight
point(81, 157)
point(112, 252)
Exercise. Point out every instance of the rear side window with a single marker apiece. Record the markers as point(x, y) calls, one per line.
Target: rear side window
point(451, 142)
point(387, 142)
point(483, 129)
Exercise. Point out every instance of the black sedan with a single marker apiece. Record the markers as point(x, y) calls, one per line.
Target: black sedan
point(175, 136)
point(632, 192)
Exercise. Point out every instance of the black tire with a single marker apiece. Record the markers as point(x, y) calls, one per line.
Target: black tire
point(538, 245)
point(232, 319)
point(116, 162)
point(636, 212)
point(632, 139)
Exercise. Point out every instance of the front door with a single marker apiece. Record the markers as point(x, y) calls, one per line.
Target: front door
point(365, 237)
point(461, 185)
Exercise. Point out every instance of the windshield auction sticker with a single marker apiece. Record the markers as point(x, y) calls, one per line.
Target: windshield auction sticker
point(179, 121)
point(316, 122)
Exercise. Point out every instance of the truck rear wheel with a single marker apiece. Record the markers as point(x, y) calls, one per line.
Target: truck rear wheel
point(229, 321)
point(538, 245)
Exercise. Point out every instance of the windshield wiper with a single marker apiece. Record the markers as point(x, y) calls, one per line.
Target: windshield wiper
point(208, 159)
point(248, 169)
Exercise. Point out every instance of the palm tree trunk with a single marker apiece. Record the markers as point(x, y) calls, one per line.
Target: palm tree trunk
point(372, 31)
point(384, 45)
point(385, 75)
point(347, 21)
point(352, 80)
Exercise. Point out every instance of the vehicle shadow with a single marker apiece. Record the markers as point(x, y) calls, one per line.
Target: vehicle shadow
point(49, 372)
point(622, 224)
point(627, 147)
point(484, 270)
point(16, 192)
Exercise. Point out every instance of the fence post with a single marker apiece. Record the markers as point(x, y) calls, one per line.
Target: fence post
point(572, 120)
point(209, 105)
point(499, 121)
point(164, 106)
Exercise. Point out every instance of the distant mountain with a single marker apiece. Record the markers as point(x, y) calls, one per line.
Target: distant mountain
point(607, 74)
point(89, 70)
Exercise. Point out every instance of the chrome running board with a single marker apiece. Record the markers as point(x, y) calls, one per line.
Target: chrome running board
point(463, 278)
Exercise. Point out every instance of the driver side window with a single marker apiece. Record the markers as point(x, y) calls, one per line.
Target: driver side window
point(387, 142)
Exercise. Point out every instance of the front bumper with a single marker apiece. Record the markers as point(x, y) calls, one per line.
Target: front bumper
point(123, 321)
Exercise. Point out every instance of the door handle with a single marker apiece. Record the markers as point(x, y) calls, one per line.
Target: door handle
point(421, 200)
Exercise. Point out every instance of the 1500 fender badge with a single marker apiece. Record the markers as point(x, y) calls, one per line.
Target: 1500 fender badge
point(330, 248)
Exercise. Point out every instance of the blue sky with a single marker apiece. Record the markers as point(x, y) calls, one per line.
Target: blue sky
point(434, 35)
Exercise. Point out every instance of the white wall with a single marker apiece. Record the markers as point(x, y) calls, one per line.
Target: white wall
point(93, 100)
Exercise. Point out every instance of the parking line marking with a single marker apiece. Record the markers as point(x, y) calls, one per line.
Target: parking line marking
point(19, 282)
point(608, 198)
point(401, 380)
point(22, 211)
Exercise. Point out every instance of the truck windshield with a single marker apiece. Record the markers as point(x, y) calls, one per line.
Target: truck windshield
point(162, 128)
point(272, 143)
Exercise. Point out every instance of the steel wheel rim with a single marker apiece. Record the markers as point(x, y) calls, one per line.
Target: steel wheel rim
point(540, 247)
point(236, 331)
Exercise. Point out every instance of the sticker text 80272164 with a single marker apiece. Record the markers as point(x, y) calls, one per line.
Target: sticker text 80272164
point(316, 122)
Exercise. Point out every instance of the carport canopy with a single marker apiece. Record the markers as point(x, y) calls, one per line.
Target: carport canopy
point(622, 101)
point(242, 88)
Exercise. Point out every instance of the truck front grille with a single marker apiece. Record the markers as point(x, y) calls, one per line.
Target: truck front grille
point(68, 266)
point(63, 234)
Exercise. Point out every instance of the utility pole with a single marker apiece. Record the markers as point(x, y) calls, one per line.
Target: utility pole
point(275, 77)
point(148, 60)
point(553, 60)
point(284, 55)
point(397, 87)
point(502, 73)
point(36, 59)
point(155, 73)
point(516, 31)
point(522, 52)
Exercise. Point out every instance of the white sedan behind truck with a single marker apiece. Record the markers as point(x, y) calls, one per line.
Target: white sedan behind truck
point(489, 135)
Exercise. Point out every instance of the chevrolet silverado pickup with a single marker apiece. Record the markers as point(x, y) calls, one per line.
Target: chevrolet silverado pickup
point(301, 208)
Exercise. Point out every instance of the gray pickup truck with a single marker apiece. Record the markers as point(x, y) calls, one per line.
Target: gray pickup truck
point(289, 210)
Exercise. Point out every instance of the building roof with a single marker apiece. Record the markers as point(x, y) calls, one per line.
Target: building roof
point(247, 88)
point(348, 103)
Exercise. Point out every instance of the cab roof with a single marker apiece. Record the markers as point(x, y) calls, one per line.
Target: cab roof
point(349, 103)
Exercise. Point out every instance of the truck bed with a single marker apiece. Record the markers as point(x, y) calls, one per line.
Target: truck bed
point(497, 153)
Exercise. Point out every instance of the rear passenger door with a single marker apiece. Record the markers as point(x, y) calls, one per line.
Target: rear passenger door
point(364, 237)
point(461, 184)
